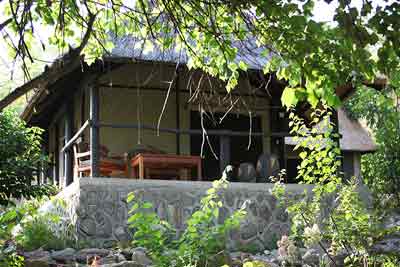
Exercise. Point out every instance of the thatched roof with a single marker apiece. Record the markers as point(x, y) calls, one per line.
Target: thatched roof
point(354, 136)
point(129, 47)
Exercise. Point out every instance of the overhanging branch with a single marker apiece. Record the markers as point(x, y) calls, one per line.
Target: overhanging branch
point(5, 23)
point(70, 62)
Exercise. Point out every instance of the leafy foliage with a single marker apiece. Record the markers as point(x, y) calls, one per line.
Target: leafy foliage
point(381, 170)
point(21, 159)
point(32, 228)
point(11, 259)
point(332, 216)
point(314, 57)
point(201, 244)
point(149, 231)
point(37, 233)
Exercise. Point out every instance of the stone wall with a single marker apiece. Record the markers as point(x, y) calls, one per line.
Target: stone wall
point(98, 208)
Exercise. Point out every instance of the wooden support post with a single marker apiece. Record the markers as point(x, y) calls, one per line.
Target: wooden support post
point(278, 140)
point(68, 163)
point(284, 153)
point(56, 169)
point(94, 131)
point(45, 169)
point(178, 111)
point(278, 147)
point(224, 152)
point(83, 104)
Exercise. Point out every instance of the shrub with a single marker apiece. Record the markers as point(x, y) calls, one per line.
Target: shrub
point(32, 228)
point(11, 259)
point(381, 170)
point(21, 159)
point(201, 244)
point(333, 217)
point(47, 230)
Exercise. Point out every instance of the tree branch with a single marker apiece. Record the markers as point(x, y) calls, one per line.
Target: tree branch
point(5, 23)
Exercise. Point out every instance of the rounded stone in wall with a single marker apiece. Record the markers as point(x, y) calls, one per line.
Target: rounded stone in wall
point(87, 227)
point(271, 200)
point(109, 207)
point(229, 199)
point(171, 197)
point(278, 228)
point(260, 198)
point(236, 197)
point(239, 202)
point(253, 208)
point(269, 238)
point(139, 194)
point(265, 212)
point(234, 235)
point(187, 213)
point(187, 201)
point(246, 194)
point(175, 213)
point(254, 246)
point(103, 225)
point(121, 233)
point(162, 211)
point(281, 215)
point(248, 231)
point(120, 212)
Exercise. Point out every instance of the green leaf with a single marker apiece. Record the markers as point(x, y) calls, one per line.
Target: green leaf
point(243, 66)
point(147, 205)
point(289, 98)
point(131, 197)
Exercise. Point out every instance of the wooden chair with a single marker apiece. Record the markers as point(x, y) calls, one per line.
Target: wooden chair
point(107, 165)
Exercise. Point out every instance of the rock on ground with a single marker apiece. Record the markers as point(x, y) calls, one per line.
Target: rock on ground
point(65, 255)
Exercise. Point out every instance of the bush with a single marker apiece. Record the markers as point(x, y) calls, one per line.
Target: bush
point(47, 230)
point(21, 159)
point(380, 170)
point(333, 217)
point(201, 244)
point(32, 229)
point(11, 259)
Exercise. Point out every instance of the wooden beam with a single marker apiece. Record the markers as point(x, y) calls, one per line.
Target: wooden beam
point(76, 136)
point(52, 74)
point(150, 88)
point(46, 150)
point(181, 131)
point(83, 104)
point(56, 169)
point(346, 90)
point(94, 131)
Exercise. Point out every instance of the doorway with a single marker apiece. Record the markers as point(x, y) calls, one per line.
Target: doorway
point(238, 145)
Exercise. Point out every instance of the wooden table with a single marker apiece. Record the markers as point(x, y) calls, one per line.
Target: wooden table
point(148, 165)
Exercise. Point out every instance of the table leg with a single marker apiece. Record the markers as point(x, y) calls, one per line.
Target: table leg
point(127, 171)
point(133, 173)
point(141, 169)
